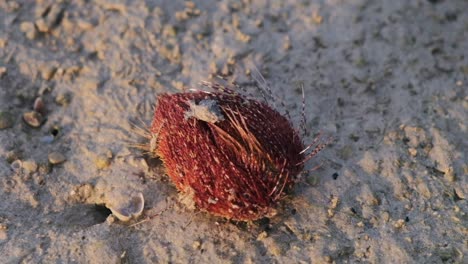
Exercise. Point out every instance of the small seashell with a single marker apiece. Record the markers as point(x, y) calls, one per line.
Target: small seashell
point(33, 118)
point(132, 209)
point(16, 165)
point(39, 105)
point(56, 158)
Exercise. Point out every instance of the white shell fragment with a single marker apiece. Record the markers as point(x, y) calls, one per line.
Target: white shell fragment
point(126, 210)
point(205, 110)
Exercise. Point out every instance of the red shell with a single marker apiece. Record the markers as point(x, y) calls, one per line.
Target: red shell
point(237, 167)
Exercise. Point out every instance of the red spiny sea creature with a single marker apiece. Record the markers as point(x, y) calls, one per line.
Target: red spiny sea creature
point(234, 156)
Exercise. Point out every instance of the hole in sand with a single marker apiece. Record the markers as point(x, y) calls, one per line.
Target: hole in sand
point(101, 213)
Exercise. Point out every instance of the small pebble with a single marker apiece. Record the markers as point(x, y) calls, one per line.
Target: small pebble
point(413, 152)
point(82, 193)
point(3, 71)
point(16, 165)
point(262, 236)
point(29, 29)
point(385, 216)
point(12, 155)
point(3, 231)
point(459, 192)
point(39, 105)
point(63, 99)
point(196, 244)
point(42, 25)
point(6, 120)
point(102, 162)
point(33, 118)
point(3, 43)
point(56, 158)
point(30, 166)
point(48, 72)
point(399, 223)
point(44, 168)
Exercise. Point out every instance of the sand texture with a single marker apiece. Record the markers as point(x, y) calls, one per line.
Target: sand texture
point(386, 79)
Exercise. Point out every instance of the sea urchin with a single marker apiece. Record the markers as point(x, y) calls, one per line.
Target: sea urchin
point(235, 157)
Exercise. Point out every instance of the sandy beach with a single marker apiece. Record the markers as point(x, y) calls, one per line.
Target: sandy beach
point(388, 80)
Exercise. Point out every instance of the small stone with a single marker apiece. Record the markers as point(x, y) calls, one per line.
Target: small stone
point(3, 71)
point(39, 179)
point(413, 152)
point(385, 216)
point(459, 192)
point(29, 29)
point(287, 43)
point(48, 71)
point(335, 201)
point(42, 25)
point(423, 189)
point(63, 99)
point(317, 18)
point(196, 244)
point(84, 25)
point(44, 168)
point(102, 162)
point(3, 232)
point(3, 43)
point(399, 223)
point(242, 36)
point(6, 120)
point(3, 235)
point(39, 105)
point(12, 155)
point(262, 236)
point(30, 166)
point(82, 193)
point(109, 154)
point(328, 259)
point(56, 158)
point(16, 165)
point(33, 118)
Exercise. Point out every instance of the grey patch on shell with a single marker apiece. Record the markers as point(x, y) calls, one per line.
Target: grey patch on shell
point(206, 110)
